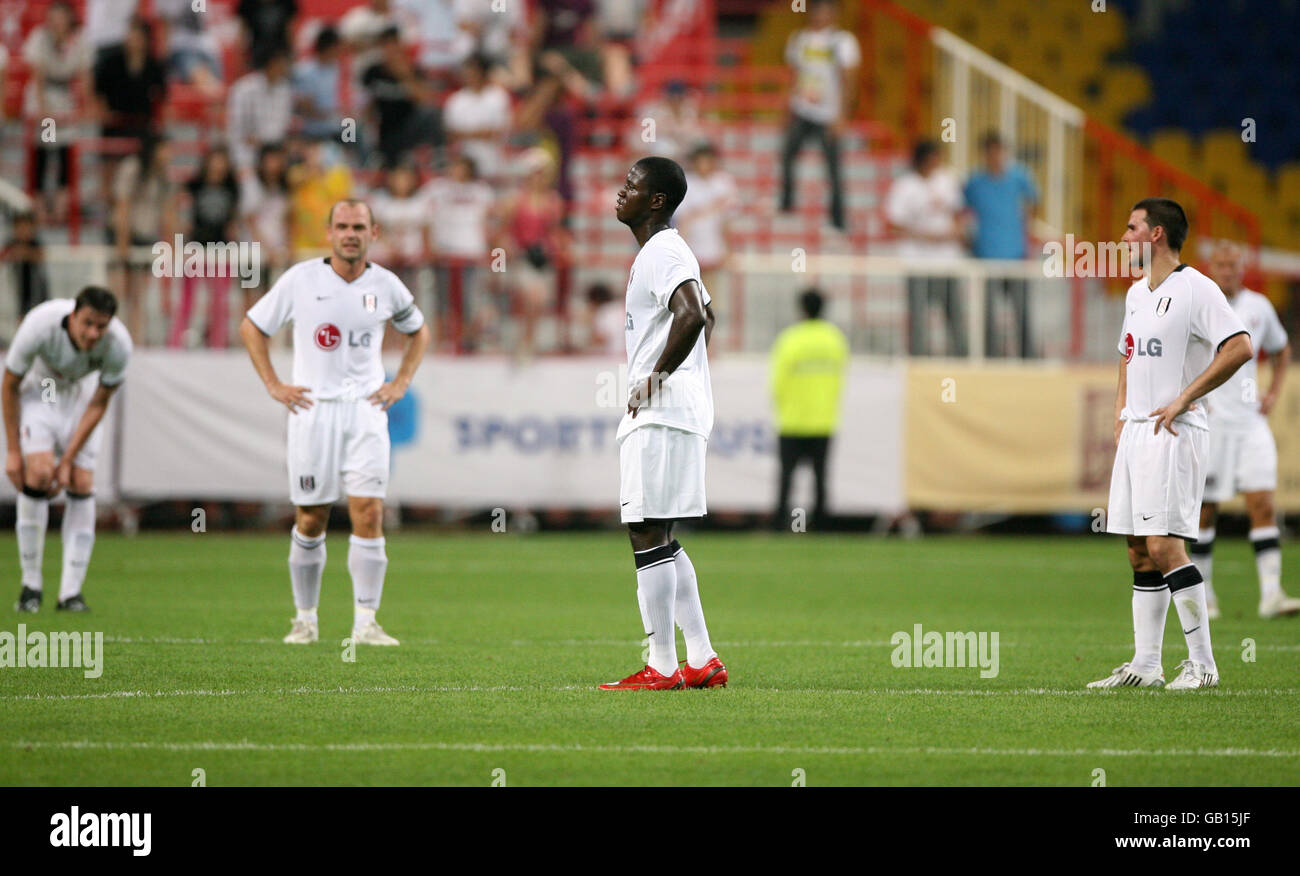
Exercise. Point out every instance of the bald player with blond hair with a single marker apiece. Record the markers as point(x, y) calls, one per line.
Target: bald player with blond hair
point(1243, 454)
point(338, 403)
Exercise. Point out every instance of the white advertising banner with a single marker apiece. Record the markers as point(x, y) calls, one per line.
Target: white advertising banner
point(479, 432)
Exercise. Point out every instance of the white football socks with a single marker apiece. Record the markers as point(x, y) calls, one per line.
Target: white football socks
point(1268, 560)
point(306, 566)
point(1150, 608)
point(1203, 556)
point(1188, 593)
point(78, 543)
point(689, 612)
point(656, 591)
point(33, 517)
point(367, 563)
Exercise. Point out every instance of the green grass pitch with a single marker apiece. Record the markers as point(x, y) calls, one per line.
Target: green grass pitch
point(506, 636)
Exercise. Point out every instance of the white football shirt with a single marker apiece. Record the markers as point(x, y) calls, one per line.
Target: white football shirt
point(338, 327)
point(685, 399)
point(42, 348)
point(818, 57)
point(1169, 337)
point(1235, 404)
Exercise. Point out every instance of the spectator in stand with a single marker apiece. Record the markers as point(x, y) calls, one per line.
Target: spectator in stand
point(106, 25)
point(825, 59)
point(259, 110)
point(477, 117)
point(318, 178)
point(925, 209)
point(316, 88)
point(807, 379)
point(676, 118)
point(605, 318)
point(500, 34)
point(130, 84)
point(146, 210)
point(546, 112)
point(129, 87)
point(25, 253)
point(566, 26)
point(705, 213)
point(1001, 197)
point(193, 52)
point(266, 27)
point(401, 210)
point(364, 26)
point(618, 22)
point(462, 208)
point(214, 207)
point(60, 67)
point(264, 211)
point(401, 102)
point(433, 25)
point(535, 238)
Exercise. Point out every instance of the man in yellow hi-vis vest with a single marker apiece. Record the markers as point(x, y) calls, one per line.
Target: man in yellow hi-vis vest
point(807, 375)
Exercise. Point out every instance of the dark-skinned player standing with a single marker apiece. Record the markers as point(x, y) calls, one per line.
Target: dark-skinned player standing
point(664, 434)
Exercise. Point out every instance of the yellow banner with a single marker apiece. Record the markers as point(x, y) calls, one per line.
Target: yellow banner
point(1030, 438)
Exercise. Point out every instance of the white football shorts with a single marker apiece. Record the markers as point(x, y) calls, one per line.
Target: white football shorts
point(1157, 481)
point(337, 448)
point(47, 426)
point(1240, 462)
point(661, 474)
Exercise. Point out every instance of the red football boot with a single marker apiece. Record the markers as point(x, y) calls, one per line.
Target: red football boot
point(647, 679)
point(711, 674)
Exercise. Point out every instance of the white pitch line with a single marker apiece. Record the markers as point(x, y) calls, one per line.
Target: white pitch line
point(620, 643)
point(451, 688)
point(485, 747)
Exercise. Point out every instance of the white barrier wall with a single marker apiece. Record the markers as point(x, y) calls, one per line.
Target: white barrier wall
point(480, 432)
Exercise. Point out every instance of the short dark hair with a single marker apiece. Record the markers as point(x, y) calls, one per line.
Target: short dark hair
point(811, 302)
point(704, 147)
point(922, 151)
point(1169, 215)
point(990, 138)
point(326, 39)
point(98, 298)
point(666, 177)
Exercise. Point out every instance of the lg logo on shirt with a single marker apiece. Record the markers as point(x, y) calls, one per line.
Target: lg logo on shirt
point(328, 337)
point(1151, 347)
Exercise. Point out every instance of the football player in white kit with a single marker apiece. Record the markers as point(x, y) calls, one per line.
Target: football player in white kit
point(338, 428)
point(1180, 340)
point(665, 431)
point(52, 406)
point(1243, 455)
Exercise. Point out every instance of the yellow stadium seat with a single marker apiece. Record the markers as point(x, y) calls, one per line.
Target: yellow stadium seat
point(1176, 147)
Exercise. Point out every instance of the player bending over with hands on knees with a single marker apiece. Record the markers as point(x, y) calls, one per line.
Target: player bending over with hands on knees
point(52, 407)
point(1180, 340)
point(338, 402)
point(664, 433)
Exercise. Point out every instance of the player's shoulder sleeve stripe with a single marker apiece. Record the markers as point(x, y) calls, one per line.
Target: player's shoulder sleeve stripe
point(1230, 337)
point(249, 316)
point(404, 312)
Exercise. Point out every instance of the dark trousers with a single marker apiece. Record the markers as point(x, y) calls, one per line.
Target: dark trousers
point(801, 129)
point(1015, 294)
point(795, 449)
point(922, 294)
